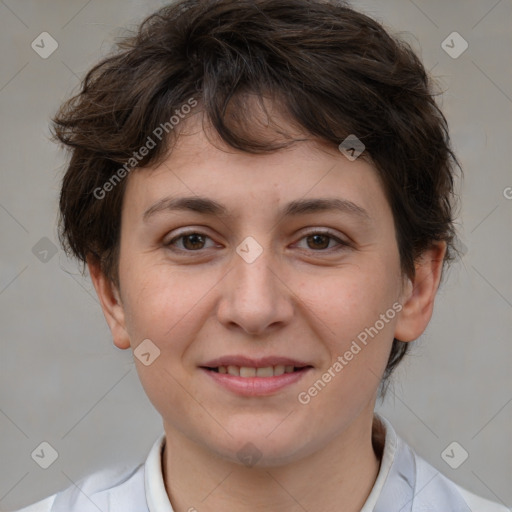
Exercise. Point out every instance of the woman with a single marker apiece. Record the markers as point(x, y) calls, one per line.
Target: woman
point(262, 192)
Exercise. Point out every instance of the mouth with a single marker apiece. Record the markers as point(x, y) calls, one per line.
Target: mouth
point(255, 377)
point(251, 371)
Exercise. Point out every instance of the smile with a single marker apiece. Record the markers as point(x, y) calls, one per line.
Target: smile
point(248, 371)
point(249, 381)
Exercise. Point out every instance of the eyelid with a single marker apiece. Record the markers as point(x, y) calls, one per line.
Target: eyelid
point(320, 231)
point(326, 231)
point(184, 233)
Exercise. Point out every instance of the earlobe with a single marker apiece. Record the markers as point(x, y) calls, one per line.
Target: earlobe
point(111, 304)
point(419, 294)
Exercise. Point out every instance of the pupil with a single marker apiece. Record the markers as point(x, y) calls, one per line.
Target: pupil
point(316, 237)
point(194, 237)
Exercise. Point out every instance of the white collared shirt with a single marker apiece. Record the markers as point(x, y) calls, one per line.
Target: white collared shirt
point(405, 483)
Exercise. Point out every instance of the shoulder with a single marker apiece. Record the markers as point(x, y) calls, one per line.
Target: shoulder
point(116, 489)
point(434, 488)
point(478, 503)
point(409, 483)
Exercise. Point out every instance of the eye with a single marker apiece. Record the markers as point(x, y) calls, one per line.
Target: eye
point(320, 241)
point(195, 241)
point(192, 241)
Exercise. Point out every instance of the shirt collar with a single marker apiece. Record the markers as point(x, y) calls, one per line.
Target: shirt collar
point(395, 481)
point(156, 495)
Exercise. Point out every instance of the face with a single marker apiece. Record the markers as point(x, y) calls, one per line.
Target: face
point(258, 278)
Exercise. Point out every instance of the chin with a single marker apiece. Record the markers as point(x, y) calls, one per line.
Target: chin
point(256, 448)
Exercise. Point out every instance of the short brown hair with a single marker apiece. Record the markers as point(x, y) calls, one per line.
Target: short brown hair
point(331, 70)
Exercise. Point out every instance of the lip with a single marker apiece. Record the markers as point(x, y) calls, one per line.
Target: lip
point(256, 386)
point(239, 360)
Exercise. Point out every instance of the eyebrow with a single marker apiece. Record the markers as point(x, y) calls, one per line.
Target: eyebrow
point(206, 206)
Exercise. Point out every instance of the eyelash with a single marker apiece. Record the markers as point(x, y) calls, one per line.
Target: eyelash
point(341, 244)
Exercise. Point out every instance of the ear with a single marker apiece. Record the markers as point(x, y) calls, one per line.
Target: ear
point(419, 293)
point(110, 304)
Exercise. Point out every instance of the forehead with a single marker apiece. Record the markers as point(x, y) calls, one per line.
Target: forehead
point(201, 164)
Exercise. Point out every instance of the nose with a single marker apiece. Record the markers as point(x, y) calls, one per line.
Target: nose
point(255, 297)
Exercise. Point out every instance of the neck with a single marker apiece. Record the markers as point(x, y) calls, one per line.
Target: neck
point(337, 477)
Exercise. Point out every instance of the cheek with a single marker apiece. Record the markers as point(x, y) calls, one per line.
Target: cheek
point(164, 306)
point(354, 317)
point(162, 303)
point(348, 301)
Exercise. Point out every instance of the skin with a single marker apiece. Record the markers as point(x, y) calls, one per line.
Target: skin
point(300, 298)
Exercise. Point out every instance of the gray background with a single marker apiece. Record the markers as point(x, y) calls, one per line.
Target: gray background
point(62, 380)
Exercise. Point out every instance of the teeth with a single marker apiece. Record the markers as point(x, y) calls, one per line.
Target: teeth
point(234, 370)
point(263, 372)
point(246, 371)
point(279, 369)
